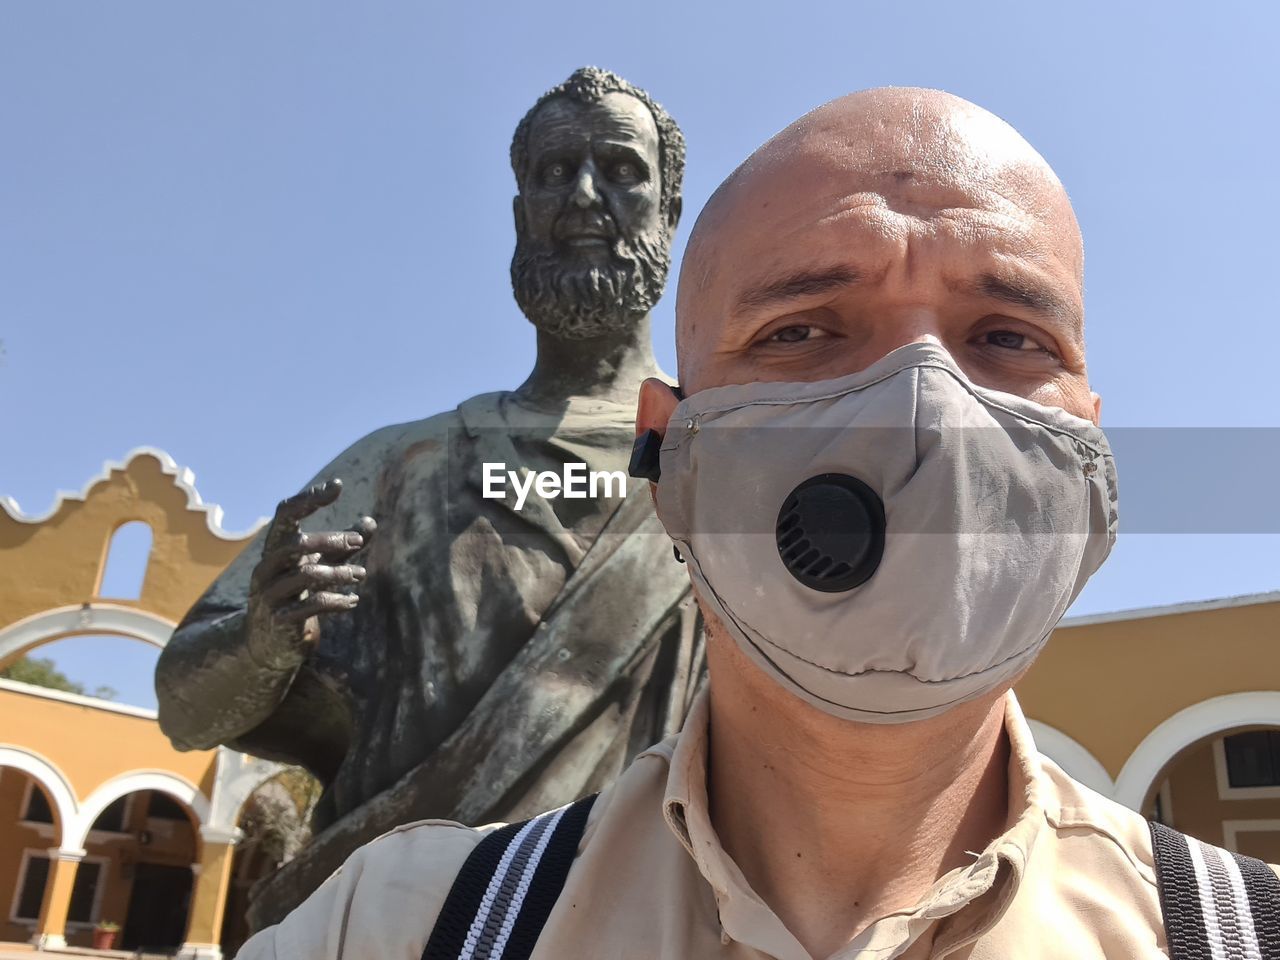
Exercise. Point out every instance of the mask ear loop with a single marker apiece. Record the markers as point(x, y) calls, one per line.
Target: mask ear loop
point(644, 463)
point(646, 456)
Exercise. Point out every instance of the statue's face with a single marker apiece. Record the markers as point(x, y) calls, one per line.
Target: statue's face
point(592, 250)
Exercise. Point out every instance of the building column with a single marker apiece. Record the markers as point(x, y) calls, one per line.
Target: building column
point(51, 929)
point(209, 895)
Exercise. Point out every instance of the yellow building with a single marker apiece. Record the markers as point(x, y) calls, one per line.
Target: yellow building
point(1172, 711)
point(100, 819)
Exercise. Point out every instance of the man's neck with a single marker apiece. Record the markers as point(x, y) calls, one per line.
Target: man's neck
point(835, 823)
point(609, 367)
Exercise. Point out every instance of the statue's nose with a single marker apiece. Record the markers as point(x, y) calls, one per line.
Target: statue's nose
point(585, 194)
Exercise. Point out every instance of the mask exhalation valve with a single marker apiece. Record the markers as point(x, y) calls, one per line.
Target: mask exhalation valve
point(831, 532)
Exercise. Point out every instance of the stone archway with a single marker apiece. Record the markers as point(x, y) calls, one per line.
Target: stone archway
point(55, 783)
point(1139, 776)
point(97, 618)
point(135, 782)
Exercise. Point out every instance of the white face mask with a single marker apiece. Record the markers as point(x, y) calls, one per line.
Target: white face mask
point(972, 520)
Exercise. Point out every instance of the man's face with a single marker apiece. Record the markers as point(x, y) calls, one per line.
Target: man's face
point(824, 259)
point(883, 219)
point(592, 248)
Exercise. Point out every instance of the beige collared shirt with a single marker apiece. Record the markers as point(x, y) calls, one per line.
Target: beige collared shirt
point(1071, 878)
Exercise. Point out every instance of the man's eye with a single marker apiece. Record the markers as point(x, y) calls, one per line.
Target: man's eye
point(1009, 340)
point(796, 334)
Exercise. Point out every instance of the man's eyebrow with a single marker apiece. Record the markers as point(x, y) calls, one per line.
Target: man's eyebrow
point(1025, 292)
point(805, 283)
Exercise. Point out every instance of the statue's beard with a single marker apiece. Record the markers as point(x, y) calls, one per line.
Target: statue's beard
point(581, 302)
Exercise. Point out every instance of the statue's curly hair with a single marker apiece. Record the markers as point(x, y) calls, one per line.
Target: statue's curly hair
point(590, 85)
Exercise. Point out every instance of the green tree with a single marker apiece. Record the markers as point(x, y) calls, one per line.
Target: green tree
point(43, 672)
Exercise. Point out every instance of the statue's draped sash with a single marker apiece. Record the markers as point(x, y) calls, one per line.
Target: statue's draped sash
point(594, 684)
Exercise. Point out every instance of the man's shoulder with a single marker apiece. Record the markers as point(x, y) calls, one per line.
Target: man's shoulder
point(436, 848)
point(383, 901)
point(1074, 809)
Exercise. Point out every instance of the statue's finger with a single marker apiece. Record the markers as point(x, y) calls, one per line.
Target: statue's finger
point(339, 545)
point(318, 604)
point(288, 552)
point(312, 577)
point(293, 510)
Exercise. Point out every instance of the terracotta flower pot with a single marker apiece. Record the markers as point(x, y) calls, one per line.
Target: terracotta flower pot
point(104, 939)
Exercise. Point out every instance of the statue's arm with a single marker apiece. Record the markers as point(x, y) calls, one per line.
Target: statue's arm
point(211, 685)
point(237, 661)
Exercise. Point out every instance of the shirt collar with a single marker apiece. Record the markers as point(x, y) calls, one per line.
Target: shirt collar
point(967, 901)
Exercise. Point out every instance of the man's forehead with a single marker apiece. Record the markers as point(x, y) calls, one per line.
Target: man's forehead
point(876, 162)
point(616, 116)
point(834, 164)
point(809, 169)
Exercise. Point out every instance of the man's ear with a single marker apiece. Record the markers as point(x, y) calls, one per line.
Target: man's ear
point(657, 403)
point(1097, 409)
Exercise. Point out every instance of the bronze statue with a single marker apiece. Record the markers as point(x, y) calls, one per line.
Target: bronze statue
point(492, 661)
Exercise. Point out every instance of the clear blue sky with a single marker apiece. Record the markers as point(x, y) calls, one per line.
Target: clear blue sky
point(205, 208)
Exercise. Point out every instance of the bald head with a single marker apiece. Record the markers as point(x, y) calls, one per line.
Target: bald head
point(885, 217)
point(904, 134)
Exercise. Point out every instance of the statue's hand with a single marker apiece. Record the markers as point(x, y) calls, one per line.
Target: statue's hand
point(302, 576)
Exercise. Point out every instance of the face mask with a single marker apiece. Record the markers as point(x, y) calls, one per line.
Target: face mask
point(888, 544)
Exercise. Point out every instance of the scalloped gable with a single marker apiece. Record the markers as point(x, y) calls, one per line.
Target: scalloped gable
point(55, 560)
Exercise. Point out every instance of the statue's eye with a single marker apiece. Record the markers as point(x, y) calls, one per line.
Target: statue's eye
point(557, 172)
point(625, 171)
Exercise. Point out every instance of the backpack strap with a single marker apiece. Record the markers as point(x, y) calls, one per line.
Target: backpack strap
point(1217, 905)
point(505, 890)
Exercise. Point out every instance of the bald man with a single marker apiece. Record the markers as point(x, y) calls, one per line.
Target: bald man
point(884, 474)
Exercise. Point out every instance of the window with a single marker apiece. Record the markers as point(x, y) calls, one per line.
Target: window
point(37, 809)
point(1253, 758)
point(34, 876)
point(31, 885)
point(84, 892)
point(113, 818)
point(126, 565)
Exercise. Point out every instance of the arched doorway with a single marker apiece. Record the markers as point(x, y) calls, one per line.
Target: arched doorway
point(1225, 790)
point(37, 808)
point(146, 840)
point(31, 825)
point(159, 897)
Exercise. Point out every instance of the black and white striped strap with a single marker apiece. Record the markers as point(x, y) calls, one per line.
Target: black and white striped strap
point(1217, 905)
point(506, 888)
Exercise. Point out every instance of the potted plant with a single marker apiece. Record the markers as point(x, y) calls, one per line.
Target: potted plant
point(104, 934)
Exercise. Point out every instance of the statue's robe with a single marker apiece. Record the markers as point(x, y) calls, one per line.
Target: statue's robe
point(500, 662)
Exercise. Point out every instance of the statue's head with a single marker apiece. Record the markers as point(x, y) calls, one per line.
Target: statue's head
point(598, 165)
